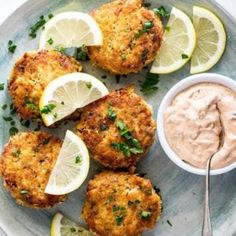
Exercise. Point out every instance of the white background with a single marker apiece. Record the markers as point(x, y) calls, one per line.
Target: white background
point(7, 7)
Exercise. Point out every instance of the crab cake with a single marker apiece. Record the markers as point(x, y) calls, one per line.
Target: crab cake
point(32, 73)
point(118, 129)
point(132, 36)
point(25, 166)
point(119, 204)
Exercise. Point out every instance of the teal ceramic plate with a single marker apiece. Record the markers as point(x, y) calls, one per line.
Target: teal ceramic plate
point(182, 192)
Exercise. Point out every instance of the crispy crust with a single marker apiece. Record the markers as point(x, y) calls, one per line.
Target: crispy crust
point(32, 73)
point(109, 190)
point(133, 111)
point(122, 52)
point(26, 164)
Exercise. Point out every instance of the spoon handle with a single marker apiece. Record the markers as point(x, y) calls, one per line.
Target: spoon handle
point(206, 227)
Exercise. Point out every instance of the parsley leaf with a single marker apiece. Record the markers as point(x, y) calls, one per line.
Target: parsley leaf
point(11, 46)
point(82, 53)
point(2, 86)
point(33, 29)
point(111, 114)
point(146, 28)
point(184, 56)
point(47, 108)
point(149, 84)
point(145, 214)
point(161, 11)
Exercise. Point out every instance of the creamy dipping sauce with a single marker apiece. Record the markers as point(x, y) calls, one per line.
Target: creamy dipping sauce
point(200, 122)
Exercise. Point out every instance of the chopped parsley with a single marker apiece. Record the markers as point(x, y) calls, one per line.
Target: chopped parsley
point(131, 145)
point(169, 223)
point(146, 28)
point(11, 46)
point(60, 49)
point(119, 213)
point(167, 28)
point(62, 103)
point(50, 16)
point(145, 214)
point(33, 29)
point(23, 191)
point(2, 86)
point(55, 115)
point(4, 107)
point(48, 108)
point(89, 85)
point(13, 131)
point(111, 114)
point(184, 56)
point(149, 84)
point(50, 41)
point(161, 11)
point(13, 123)
point(78, 159)
point(72, 230)
point(7, 118)
point(16, 153)
point(31, 105)
point(82, 53)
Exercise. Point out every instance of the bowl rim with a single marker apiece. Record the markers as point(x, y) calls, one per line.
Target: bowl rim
point(176, 89)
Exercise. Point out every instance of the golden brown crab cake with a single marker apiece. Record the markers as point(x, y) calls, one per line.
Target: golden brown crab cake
point(32, 73)
point(25, 166)
point(118, 129)
point(119, 204)
point(132, 36)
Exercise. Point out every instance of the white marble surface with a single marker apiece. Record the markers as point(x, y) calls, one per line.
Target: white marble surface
point(7, 7)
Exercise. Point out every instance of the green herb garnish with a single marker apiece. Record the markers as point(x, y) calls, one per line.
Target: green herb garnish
point(78, 159)
point(13, 131)
point(169, 223)
point(72, 230)
point(2, 86)
point(135, 202)
point(89, 85)
point(50, 41)
point(50, 16)
point(11, 46)
point(82, 53)
point(16, 153)
point(184, 56)
point(161, 11)
point(4, 107)
point(13, 123)
point(48, 108)
point(147, 4)
point(131, 145)
point(167, 28)
point(146, 28)
point(119, 213)
point(7, 118)
point(33, 29)
point(60, 49)
point(31, 105)
point(149, 84)
point(145, 214)
point(111, 114)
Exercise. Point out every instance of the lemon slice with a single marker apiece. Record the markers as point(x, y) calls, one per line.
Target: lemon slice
point(70, 29)
point(67, 93)
point(62, 226)
point(211, 40)
point(71, 168)
point(178, 44)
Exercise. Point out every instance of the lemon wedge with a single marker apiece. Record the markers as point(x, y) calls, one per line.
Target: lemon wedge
point(178, 44)
point(71, 168)
point(70, 29)
point(67, 93)
point(62, 226)
point(211, 40)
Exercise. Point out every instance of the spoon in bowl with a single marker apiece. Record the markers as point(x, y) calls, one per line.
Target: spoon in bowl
point(206, 227)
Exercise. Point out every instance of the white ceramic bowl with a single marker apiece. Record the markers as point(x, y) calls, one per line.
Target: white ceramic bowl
point(182, 85)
